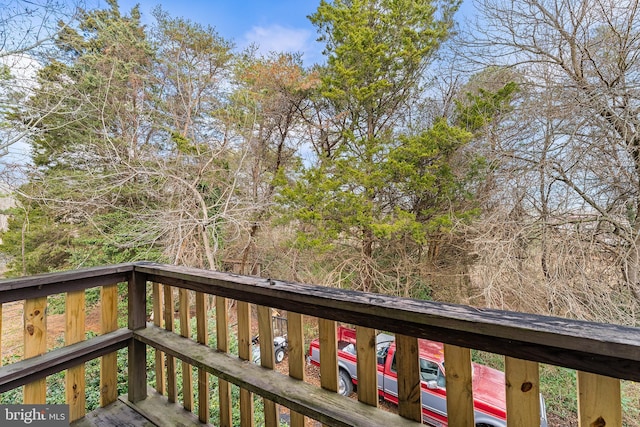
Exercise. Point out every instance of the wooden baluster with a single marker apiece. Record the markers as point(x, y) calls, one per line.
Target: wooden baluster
point(0, 334)
point(523, 392)
point(599, 401)
point(74, 332)
point(222, 334)
point(157, 321)
point(409, 390)
point(172, 389)
point(108, 362)
point(328, 354)
point(203, 376)
point(35, 344)
point(459, 386)
point(245, 353)
point(265, 330)
point(137, 350)
point(185, 331)
point(367, 365)
point(295, 342)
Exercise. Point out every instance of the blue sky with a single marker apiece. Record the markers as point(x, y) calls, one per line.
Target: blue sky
point(274, 25)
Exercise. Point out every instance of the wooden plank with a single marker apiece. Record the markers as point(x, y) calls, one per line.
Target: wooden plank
point(185, 331)
point(243, 310)
point(202, 337)
point(41, 285)
point(137, 309)
point(158, 315)
point(409, 392)
point(457, 362)
point(35, 344)
point(523, 392)
point(222, 335)
point(114, 414)
point(108, 362)
point(163, 413)
point(35, 368)
point(296, 349)
point(325, 406)
point(588, 346)
point(75, 332)
point(172, 387)
point(599, 402)
point(265, 330)
point(0, 334)
point(367, 365)
point(328, 354)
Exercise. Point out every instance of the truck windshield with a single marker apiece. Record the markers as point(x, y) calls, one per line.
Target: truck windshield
point(429, 371)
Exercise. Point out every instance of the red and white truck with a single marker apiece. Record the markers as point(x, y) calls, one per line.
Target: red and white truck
point(488, 383)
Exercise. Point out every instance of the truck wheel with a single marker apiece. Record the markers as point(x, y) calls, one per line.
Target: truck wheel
point(279, 355)
point(345, 385)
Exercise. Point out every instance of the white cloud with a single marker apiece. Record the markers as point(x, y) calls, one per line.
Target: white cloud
point(276, 38)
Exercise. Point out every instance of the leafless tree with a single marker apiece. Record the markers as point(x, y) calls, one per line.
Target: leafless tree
point(572, 165)
point(28, 31)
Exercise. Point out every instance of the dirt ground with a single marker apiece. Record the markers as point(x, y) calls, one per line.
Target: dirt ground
point(12, 329)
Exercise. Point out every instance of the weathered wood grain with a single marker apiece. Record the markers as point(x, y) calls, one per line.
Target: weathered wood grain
point(74, 332)
point(185, 331)
point(202, 337)
point(409, 392)
point(115, 414)
point(295, 337)
point(137, 352)
point(457, 361)
point(35, 368)
point(163, 413)
point(244, 352)
point(587, 346)
point(523, 392)
point(325, 406)
point(35, 344)
point(267, 359)
point(599, 401)
point(40, 285)
point(222, 340)
point(367, 365)
point(158, 315)
point(108, 362)
point(172, 385)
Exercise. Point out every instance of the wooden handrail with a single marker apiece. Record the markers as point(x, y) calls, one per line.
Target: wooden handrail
point(35, 368)
point(604, 349)
point(603, 354)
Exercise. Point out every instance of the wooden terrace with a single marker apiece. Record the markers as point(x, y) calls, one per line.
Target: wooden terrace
point(602, 354)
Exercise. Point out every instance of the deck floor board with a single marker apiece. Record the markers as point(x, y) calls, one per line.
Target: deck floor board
point(154, 411)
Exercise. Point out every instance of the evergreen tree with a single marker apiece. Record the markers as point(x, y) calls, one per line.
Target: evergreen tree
point(354, 195)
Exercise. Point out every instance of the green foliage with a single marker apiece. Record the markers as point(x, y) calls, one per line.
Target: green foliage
point(559, 387)
point(377, 188)
point(377, 51)
point(482, 107)
point(5, 72)
point(36, 242)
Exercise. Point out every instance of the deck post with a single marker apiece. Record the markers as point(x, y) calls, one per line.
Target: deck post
point(137, 350)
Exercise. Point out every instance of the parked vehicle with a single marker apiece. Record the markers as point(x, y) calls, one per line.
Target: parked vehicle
point(488, 383)
point(279, 348)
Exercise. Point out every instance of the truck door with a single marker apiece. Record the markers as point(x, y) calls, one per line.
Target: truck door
point(434, 394)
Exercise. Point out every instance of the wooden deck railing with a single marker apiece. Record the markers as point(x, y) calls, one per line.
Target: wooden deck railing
point(603, 354)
